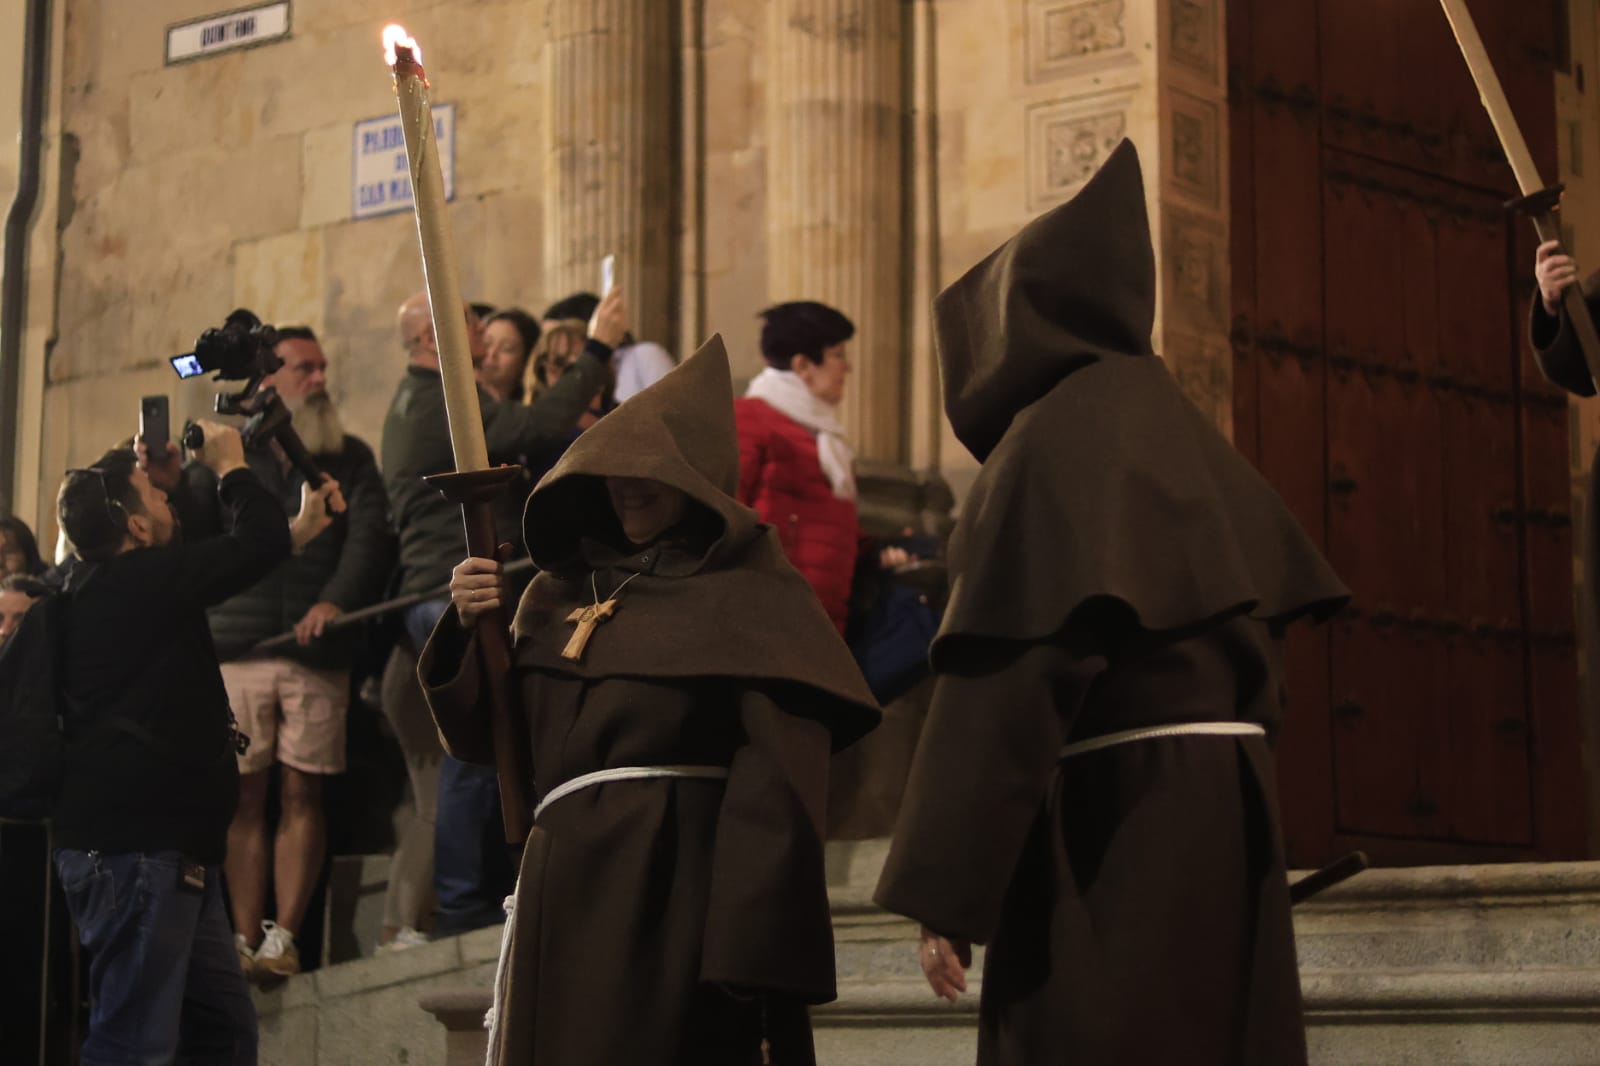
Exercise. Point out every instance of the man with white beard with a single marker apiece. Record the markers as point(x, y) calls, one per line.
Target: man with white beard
point(292, 702)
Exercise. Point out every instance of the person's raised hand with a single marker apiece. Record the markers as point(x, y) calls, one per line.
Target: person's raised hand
point(1555, 270)
point(610, 321)
point(944, 964)
point(476, 586)
point(165, 470)
point(222, 449)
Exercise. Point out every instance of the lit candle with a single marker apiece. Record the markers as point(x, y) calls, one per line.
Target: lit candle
point(438, 254)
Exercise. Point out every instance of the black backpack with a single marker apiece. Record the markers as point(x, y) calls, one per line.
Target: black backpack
point(33, 710)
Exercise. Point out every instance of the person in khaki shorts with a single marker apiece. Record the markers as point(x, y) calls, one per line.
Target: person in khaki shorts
point(293, 704)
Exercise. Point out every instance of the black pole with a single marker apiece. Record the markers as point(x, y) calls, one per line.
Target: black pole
point(13, 284)
point(350, 618)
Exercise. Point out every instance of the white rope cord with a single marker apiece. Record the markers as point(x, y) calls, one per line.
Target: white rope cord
point(626, 773)
point(495, 1016)
point(1186, 729)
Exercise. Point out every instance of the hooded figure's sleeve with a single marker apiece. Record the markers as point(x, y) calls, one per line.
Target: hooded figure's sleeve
point(1000, 714)
point(1555, 347)
point(450, 670)
point(767, 922)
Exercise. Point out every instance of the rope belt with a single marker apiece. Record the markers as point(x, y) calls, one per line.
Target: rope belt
point(627, 773)
point(1186, 729)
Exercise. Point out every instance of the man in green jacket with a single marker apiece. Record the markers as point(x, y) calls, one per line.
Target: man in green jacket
point(416, 444)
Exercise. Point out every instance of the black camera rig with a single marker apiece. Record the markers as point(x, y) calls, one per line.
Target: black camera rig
point(241, 349)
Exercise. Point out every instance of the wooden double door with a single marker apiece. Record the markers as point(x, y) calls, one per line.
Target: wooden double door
point(1384, 385)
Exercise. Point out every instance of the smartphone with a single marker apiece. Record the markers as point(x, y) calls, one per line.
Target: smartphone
point(153, 424)
point(608, 274)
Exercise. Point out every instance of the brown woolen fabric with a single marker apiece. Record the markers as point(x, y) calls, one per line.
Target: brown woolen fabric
point(1116, 565)
point(665, 921)
point(1134, 899)
point(1100, 480)
point(655, 919)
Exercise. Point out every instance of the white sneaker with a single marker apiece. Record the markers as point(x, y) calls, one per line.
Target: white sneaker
point(407, 937)
point(247, 956)
point(277, 954)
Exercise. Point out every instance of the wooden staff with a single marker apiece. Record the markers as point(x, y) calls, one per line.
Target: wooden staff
point(474, 484)
point(1538, 200)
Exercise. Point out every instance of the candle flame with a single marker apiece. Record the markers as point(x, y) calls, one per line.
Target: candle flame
point(395, 35)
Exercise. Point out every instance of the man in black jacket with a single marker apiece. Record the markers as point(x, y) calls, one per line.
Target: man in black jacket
point(150, 778)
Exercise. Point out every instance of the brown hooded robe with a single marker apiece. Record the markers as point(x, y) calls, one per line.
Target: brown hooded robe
point(670, 920)
point(1117, 566)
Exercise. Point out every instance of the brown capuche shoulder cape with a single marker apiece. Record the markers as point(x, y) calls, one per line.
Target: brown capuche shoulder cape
point(1092, 457)
point(746, 613)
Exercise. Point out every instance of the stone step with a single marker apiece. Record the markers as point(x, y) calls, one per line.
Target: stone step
point(1467, 966)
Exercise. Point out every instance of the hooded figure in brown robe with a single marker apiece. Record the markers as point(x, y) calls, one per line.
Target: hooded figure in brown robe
point(1117, 568)
point(674, 910)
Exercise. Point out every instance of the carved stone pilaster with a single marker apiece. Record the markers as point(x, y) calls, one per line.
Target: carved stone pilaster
point(609, 181)
point(835, 107)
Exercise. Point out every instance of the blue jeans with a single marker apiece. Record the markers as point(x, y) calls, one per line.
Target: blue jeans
point(420, 618)
point(164, 976)
point(472, 871)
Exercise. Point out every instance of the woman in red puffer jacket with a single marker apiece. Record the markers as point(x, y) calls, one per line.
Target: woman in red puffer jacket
point(795, 468)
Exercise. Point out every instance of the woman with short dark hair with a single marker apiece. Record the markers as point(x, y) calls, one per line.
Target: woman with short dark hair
point(795, 468)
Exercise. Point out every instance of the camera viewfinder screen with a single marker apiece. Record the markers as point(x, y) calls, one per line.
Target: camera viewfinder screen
point(187, 366)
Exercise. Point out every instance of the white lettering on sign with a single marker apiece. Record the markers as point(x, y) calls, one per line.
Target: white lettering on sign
point(222, 33)
point(381, 176)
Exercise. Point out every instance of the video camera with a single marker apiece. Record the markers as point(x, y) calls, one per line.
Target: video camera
point(242, 349)
point(239, 350)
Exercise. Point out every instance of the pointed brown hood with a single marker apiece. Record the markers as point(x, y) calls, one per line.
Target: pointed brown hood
point(1076, 285)
point(736, 609)
point(679, 431)
point(1101, 482)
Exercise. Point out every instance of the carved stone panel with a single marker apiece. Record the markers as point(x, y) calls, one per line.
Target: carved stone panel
point(1068, 140)
point(1192, 35)
point(1066, 39)
point(1195, 148)
point(1201, 366)
point(1194, 258)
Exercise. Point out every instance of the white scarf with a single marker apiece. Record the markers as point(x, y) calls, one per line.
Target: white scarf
point(784, 390)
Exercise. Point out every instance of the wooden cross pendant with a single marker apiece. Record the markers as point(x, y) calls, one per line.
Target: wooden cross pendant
point(586, 618)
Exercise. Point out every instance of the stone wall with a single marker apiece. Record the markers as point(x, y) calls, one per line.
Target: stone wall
point(188, 189)
point(194, 188)
point(906, 153)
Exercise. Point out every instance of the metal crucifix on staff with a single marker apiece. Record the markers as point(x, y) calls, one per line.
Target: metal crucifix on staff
point(1540, 201)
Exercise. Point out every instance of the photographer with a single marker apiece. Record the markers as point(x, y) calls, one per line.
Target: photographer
point(150, 779)
point(292, 702)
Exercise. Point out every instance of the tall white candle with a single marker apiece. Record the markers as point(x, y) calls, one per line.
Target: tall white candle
point(438, 253)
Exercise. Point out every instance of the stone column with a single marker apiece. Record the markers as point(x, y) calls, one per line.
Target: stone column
point(610, 127)
point(835, 108)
